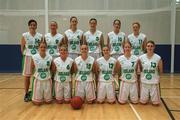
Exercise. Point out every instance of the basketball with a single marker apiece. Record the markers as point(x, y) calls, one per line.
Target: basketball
point(76, 102)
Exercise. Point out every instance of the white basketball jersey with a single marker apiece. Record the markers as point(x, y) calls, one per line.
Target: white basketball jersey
point(150, 74)
point(106, 68)
point(42, 66)
point(84, 69)
point(31, 46)
point(128, 68)
point(73, 40)
point(52, 43)
point(137, 43)
point(63, 69)
point(93, 41)
point(116, 41)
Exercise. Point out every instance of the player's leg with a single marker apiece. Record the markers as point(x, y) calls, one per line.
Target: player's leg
point(110, 90)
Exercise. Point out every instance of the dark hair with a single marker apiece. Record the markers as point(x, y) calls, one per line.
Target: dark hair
point(106, 46)
point(137, 24)
point(150, 41)
point(117, 20)
point(126, 41)
point(30, 21)
point(42, 41)
point(72, 18)
point(93, 19)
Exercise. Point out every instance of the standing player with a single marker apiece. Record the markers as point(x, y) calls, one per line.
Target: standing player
point(127, 65)
point(53, 39)
point(137, 39)
point(105, 68)
point(115, 39)
point(94, 39)
point(85, 67)
point(29, 45)
point(42, 83)
point(151, 69)
point(64, 69)
point(73, 38)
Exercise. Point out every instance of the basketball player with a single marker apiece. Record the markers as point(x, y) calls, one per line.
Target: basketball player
point(64, 69)
point(42, 83)
point(85, 67)
point(115, 39)
point(29, 45)
point(73, 38)
point(137, 39)
point(53, 39)
point(128, 68)
point(105, 68)
point(151, 69)
point(94, 39)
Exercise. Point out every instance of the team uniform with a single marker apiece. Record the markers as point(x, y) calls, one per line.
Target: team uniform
point(116, 41)
point(93, 41)
point(31, 48)
point(42, 83)
point(74, 42)
point(128, 86)
point(63, 78)
point(52, 44)
point(150, 79)
point(84, 78)
point(106, 86)
point(137, 42)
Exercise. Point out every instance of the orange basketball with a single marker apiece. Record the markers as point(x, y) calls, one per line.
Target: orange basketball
point(76, 102)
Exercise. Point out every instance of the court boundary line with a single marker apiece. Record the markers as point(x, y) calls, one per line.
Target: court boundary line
point(175, 110)
point(135, 112)
point(167, 109)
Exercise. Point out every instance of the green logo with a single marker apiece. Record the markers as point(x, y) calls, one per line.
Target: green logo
point(136, 52)
point(33, 51)
point(148, 76)
point(92, 48)
point(73, 47)
point(43, 75)
point(128, 76)
point(57, 41)
point(48, 63)
point(116, 48)
point(62, 78)
point(83, 77)
point(106, 77)
point(51, 51)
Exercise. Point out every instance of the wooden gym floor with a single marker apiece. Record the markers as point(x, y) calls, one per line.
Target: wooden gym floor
point(12, 106)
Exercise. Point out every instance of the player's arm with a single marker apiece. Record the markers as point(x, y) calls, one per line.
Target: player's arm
point(75, 69)
point(101, 42)
point(140, 66)
point(32, 67)
point(81, 39)
point(144, 44)
point(23, 42)
point(160, 67)
point(84, 39)
point(53, 67)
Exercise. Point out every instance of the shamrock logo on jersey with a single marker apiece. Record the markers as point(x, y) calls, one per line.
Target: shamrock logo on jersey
point(51, 51)
point(62, 78)
point(83, 77)
point(128, 76)
point(33, 51)
point(106, 77)
point(43, 75)
point(148, 76)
